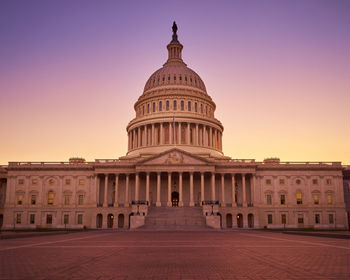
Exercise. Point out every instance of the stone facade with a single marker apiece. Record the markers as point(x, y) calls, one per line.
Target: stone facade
point(175, 159)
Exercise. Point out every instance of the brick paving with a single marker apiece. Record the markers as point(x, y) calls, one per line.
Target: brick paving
point(175, 255)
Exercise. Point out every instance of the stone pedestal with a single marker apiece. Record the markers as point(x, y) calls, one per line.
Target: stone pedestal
point(213, 221)
point(137, 221)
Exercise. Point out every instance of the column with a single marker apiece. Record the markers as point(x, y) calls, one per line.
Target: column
point(170, 133)
point(147, 188)
point(188, 134)
point(215, 139)
point(145, 135)
point(152, 140)
point(180, 189)
point(213, 186)
point(137, 182)
point(202, 187)
point(139, 137)
point(203, 136)
point(158, 190)
point(252, 190)
point(223, 204)
point(244, 191)
point(60, 193)
point(196, 136)
point(126, 203)
point(116, 190)
point(179, 133)
point(128, 141)
point(105, 202)
point(211, 137)
point(191, 189)
point(161, 134)
point(97, 188)
point(169, 189)
point(134, 138)
point(234, 202)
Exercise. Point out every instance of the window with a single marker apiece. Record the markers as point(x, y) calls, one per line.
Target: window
point(167, 105)
point(50, 198)
point(154, 107)
point(317, 218)
point(34, 181)
point(175, 105)
point(284, 219)
point(269, 219)
point(163, 79)
point(33, 199)
point(18, 218)
point(174, 77)
point(49, 219)
point(298, 181)
point(314, 181)
point(202, 108)
point(20, 181)
point(299, 197)
point(81, 199)
point(300, 218)
point(168, 78)
point(316, 198)
point(67, 181)
point(81, 181)
point(180, 78)
point(160, 106)
point(143, 109)
point(66, 199)
point(269, 199)
point(51, 181)
point(331, 218)
point(32, 219)
point(20, 199)
point(195, 107)
point(80, 219)
point(148, 108)
point(329, 198)
point(189, 106)
point(281, 181)
point(182, 105)
point(66, 219)
point(328, 181)
point(283, 199)
point(186, 79)
point(268, 181)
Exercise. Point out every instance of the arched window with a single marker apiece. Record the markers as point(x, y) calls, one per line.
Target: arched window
point(329, 198)
point(148, 108)
point(299, 197)
point(175, 105)
point(195, 107)
point(160, 106)
point(182, 105)
point(167, 105)
point(189, 106)
point(154, 107)
point(50, 197)
point(202, 108)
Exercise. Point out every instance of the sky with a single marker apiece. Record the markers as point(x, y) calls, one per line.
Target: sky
point(278, 71)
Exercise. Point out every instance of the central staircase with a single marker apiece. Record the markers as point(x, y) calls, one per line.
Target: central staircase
point(174, 218)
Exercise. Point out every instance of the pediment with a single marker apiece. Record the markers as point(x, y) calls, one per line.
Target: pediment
point(174, 157)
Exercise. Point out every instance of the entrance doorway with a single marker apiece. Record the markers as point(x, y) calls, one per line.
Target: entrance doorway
point(99, 221)
point(250, 220)
point(240, 220)
point(1, 220)
point(120, 221)
point(229, 220)
point(175, 199)
point(110, 219)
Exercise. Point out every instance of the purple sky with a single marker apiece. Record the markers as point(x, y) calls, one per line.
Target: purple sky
point(279, 72)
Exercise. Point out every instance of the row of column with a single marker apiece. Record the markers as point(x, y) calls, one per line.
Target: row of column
point(175, 133)
point(169, 203)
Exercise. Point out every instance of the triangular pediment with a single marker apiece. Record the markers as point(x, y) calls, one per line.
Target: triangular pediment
point(174, 157)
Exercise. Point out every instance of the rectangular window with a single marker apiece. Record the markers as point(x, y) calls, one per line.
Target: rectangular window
point(281, 181)
point(32, 219)
point(160, 106)
point(20, 199)
point(284, 219)
point(300, 218)
point(299, 198)
point(50, 198)
point(314, 181)
point(18, 218)
point(268, 181)
point(329, 181)
point(283, 199)
point(189, 106)
point(195, 107)
point(329, 198)
point(81, 199)
point(148, 107)
point(34, 181)
point(331, 218)
point(167, 105)
point(317, 218)
point(66, 219)
point(154, 107)
point(316, 198)
point(33, 199)
point(269, 219)
point(20, 181)
point(67, 181)
point(269, 199)
point(49, 219)
point(80, 219)
point(202, 108)
point(81, 181)
point(182, 105)
point(66, 199)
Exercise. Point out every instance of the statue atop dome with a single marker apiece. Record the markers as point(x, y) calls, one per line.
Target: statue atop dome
point(174, 33)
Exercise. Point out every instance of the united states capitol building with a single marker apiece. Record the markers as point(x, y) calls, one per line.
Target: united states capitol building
point(174, 175)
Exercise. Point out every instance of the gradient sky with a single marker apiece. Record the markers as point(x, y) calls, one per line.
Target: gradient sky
point(278, 71)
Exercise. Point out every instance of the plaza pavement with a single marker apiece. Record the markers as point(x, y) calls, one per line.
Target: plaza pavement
point(175, 255)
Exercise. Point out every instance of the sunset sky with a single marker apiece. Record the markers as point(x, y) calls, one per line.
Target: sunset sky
point(278, 71)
